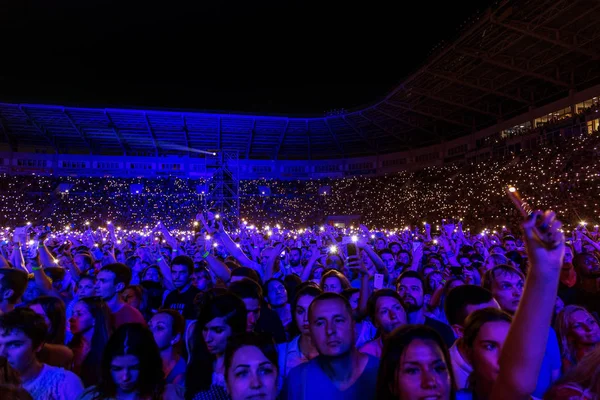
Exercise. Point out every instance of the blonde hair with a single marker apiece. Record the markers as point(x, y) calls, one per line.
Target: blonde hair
point(585, 376)
point(562, 325)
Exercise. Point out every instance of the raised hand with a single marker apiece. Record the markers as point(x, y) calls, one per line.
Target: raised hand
point(544, 241)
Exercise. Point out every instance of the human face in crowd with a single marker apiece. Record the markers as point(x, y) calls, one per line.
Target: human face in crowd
point(332, 284)
point(507, 290)
point(583, 329)
point(82, 319)
point(152, 275)
point(125, 371)
point(428, 270)
point(317, 273)
point(18, 349)
point(423, 372)
point(486, 351)
point(161, 326)
point(253, 310)
point(389, 261)
point(130, 297)
point(403, 258)
point(200, 278)
point(277, 294)
point(295, 258)
point(435, 281)
point(510, 245)
point(380, 245)
point(395, 248)
point(86, 287)
point(479, 248)
point(79, 261)
point(464, 261)
point(181, 276)
point(469, 273)
point(105, 285)
point(568, 259)
point(215, 335)
point(251, 375)
point(332, 328)
point(389, 314)
point(301, 314)
point(436, 263)
point(411, 293)
point(590, 267)
point(353, 300)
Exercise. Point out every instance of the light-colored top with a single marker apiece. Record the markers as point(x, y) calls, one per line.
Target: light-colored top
point(461, 368)
point(54, 383)
point(290, 356)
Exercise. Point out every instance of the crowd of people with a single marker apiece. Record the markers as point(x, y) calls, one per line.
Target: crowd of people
point(562, 176)
point(233, 311)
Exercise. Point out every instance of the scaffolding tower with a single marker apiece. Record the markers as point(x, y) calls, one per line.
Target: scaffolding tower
point(224, 184)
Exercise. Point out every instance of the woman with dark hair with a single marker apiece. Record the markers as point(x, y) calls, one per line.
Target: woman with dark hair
point(168, 327)
point(251, 367)
point(220, 317)
point(131, 369)
point(90, 326)
point(415, 364)
point(53, 352)
point(53, 310)
point(334, 281)
point(301, 349)
point(484, 334)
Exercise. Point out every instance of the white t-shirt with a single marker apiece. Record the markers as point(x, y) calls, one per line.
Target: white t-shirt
point(462, 369)
point(54, 383)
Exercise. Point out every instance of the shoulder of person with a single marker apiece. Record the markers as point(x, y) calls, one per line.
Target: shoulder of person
point(173, 392)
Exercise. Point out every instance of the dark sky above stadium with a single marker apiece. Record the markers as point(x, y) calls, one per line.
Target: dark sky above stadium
point(290, 57)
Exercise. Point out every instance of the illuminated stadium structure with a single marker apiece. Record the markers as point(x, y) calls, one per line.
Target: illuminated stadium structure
point(519, 65)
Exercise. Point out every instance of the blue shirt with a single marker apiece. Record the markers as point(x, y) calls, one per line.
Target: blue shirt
point(309, 382)
point(550, 363)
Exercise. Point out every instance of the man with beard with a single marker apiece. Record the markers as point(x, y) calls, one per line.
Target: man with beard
point(386, 312)
point(340, 371)
point(410, 288)
point(295, 261)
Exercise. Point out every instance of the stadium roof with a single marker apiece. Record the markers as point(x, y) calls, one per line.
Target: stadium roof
point(517, 55)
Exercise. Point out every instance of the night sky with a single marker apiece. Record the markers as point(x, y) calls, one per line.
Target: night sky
point(258, 57)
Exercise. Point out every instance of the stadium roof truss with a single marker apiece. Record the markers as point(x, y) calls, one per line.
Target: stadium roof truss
point(518, 54)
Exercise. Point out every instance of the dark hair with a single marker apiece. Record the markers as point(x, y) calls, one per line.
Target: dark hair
point(246, 273)
point(246, 289)
point(54, 308)
point(178, 324)
point(265, 286)
point(135, 340)
point(347, 293)
point(411, 274)
point(185, 261)
point(27, 321)
point(307, 288)
point(393, 348)
point(198, 375)
point(292, 282)
point(15, 280)
point(460, 297)
point(326, 296)
point(477, 319)
point(385, 251)
point(264, 342)
point(372, 302)
point(334, 273)
point(121, 271)
point(90, 370)
point(504, 269)
point(87, 260)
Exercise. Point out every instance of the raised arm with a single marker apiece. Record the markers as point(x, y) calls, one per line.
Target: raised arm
point(525, 346)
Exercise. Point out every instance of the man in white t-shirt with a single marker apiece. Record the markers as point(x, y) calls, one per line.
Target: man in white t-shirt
point(22, 334)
